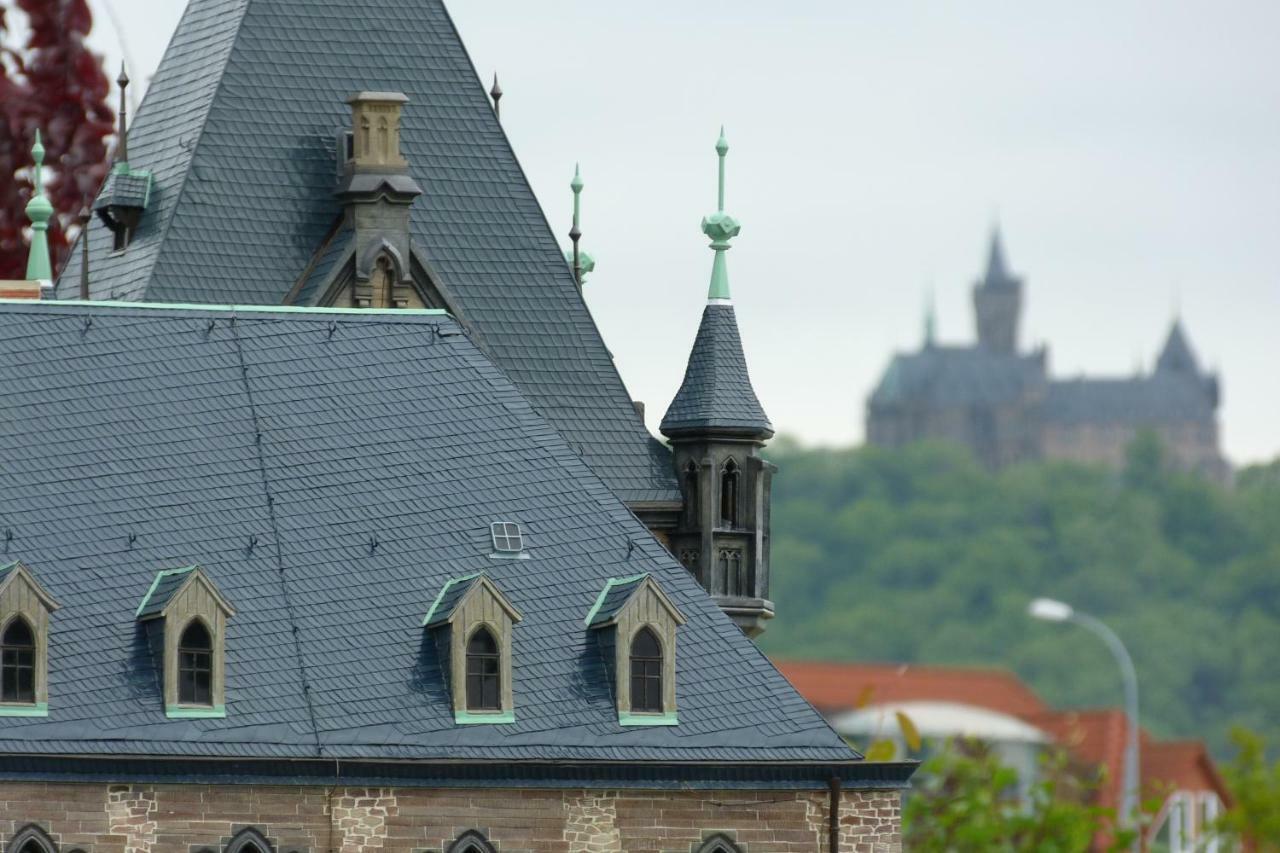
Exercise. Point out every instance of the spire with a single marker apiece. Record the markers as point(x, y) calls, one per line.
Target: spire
point(1177, 355)
point(39, 211)
point(721, 228)
point(496, 93)
point(716, 396)
point(84, 218)
point(997, 269)
point(122, 144)
point(930, 319)
point(579, 261)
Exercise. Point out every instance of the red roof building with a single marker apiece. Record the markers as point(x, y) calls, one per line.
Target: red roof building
point(995, 706)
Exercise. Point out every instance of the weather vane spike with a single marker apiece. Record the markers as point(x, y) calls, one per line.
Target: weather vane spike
point(575, 233)
point(496, 94)
point(39, 210)
point(721, 228)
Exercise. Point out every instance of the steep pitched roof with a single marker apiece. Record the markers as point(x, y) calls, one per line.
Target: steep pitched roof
point(1160, 398)
point(239, 131)
point(1177, 355)
point(959, 376)
point(716, 392)
point(330, 471)
point(998, 274)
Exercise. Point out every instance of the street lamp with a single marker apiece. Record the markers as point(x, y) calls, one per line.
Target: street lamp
point(1057, 611)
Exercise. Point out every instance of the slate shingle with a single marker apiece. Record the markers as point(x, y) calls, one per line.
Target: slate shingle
point(331, 471)
point(238, 128)
point(716, 392)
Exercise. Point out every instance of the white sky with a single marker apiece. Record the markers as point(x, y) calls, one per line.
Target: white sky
point(1131, 151)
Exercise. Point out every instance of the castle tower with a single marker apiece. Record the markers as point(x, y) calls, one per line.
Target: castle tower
point(997, 302)
point(717, 427)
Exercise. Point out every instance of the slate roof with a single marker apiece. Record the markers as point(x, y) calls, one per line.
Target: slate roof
point(239, 129)
point(450, 595)
point(1159, 398)
point(959, 376)
point(166, 583)
point(616, 593)
point(716, 392)
point(329, 471)
point(1177, 355)
point(125, 189)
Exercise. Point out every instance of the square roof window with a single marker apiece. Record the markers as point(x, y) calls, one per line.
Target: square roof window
point(506, 537)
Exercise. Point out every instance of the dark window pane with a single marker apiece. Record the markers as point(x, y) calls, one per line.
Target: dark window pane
point(18, 663)
point(484, 668)
point(195, 666)
point(646, 672)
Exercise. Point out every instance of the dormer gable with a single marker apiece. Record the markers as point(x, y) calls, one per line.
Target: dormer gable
point(472, 623)
point(25, 608)
point(636, 623)
point(193, 617)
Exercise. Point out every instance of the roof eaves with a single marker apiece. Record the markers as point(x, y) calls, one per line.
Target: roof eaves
point(429, 620)
point(604, 594)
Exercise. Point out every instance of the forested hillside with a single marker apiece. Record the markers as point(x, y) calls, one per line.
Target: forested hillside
point(922, 556)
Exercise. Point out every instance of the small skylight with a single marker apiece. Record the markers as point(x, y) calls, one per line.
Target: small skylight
point(506, 537)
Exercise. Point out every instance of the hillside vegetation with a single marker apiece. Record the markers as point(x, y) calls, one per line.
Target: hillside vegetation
point(922, 556)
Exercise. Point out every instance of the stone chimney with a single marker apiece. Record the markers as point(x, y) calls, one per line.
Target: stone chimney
point(377, 190)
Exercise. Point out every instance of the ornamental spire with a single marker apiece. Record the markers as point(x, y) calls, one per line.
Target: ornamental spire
point(579, 261)
point(122, 144)
point(39, 211)
point(721, 228)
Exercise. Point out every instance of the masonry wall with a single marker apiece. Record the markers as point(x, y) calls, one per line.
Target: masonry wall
point(135, 818)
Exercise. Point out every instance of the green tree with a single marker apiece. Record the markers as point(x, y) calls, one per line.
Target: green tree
point(1255, 787)
point(965, 800)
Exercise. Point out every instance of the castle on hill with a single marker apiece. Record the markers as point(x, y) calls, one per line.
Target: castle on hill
point(1001, 403)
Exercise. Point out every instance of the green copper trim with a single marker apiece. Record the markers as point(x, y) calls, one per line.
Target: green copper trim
point(481, 718)
point(180, 712)
point(721, 228)
point(39, 709)
point(610, 584)
point(160, 575)
point(234, 309)
point(39, 211)
point(576, 185)
point(626, 718)
point(426, 620)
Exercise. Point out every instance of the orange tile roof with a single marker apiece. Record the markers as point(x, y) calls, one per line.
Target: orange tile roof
point(840, 686)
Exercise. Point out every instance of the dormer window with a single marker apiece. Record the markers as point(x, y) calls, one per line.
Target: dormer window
point(636, 623)
point(472, 623)
point(191, 615)
point(646, 672)
point(25, 610)
point(195, 665)
point(730, 477)
point(484, 672)
point(18, 662)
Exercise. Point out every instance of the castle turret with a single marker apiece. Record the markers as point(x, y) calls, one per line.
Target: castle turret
point(997, 302)
point(717, 427)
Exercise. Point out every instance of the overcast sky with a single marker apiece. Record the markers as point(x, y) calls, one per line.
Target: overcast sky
point(1130, 151)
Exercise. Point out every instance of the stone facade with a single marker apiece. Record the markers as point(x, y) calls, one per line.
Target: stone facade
point(101, 818)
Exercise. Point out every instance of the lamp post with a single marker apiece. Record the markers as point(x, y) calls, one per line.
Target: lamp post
point(1057, 611)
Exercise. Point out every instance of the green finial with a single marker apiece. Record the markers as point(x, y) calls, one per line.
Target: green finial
point(579, 261)
point(721, 228)
point(39, 211)
point(576, 185)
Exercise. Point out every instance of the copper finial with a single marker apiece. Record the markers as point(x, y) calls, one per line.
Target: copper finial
point(122, 152)
point(496, 94)
point(84, 219)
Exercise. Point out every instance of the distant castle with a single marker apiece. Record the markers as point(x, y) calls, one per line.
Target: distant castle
point(1002, 404)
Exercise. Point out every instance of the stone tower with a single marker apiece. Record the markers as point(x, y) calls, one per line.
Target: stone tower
point(717, 427)
point(997, 302)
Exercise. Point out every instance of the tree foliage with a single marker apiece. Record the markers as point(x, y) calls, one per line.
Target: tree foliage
point(56, 84)
point(1255, 787)
point(964, 800)
point(920, 555)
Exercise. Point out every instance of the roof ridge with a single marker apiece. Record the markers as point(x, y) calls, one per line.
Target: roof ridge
point(214, 307)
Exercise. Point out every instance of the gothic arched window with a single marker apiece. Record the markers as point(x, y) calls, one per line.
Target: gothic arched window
point(719, 843)
point(248, 840)
point(195, 665)
point(471, 841)
point(646, 672)
point(729, 480)
point(691, 490)
point(484, 672)
point(18, 662)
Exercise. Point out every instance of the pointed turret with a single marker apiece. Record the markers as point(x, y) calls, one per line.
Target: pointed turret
point(717, 426)
point(997, 301)
point(1177, 355)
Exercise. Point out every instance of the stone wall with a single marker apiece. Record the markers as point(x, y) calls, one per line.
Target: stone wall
point(188, 818)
